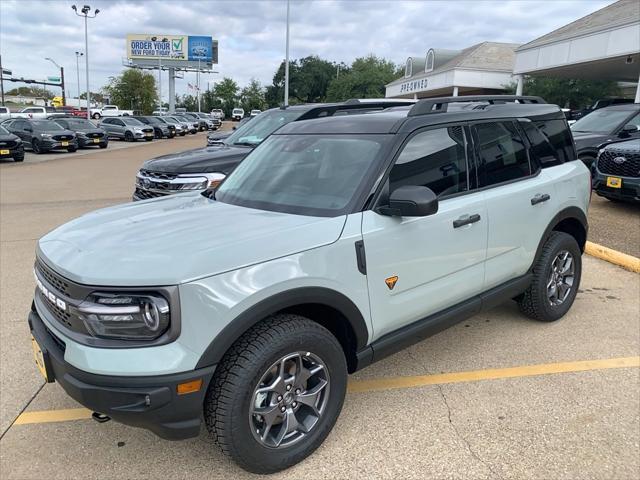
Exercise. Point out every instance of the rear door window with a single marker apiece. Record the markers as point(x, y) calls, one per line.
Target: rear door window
point(502, 154)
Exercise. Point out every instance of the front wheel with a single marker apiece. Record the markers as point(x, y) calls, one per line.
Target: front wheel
point(128, 137)
point(556, 279)
point(277, 393)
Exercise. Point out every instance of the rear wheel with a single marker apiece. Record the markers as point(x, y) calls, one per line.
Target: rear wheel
point(277, 393)
point(556, 278)
point(128, 137)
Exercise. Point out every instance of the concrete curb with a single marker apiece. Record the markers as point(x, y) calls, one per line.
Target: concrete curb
point(628, 262)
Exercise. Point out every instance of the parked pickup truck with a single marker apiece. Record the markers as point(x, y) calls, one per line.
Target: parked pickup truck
point(109, 111)
point(34, 112)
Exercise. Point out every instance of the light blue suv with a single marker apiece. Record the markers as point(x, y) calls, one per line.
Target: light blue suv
point(345, 240)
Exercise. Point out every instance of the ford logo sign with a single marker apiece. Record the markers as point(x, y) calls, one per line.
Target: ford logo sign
point(619, 160)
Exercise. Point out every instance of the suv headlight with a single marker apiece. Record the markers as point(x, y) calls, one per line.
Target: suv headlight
point(125, 316)
point(45, 135)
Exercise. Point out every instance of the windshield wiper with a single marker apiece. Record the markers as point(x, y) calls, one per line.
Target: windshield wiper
point(245, 144)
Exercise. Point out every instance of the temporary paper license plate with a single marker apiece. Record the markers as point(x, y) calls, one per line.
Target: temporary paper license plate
point(96, 140)
point(614, 182)
point(39, 358)
point(5, 152)
point(64, 144)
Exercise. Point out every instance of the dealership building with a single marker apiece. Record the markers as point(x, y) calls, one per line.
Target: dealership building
point(482, 69)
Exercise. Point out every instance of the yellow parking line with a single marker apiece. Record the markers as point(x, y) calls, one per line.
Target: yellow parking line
point(47, 416)
point(392, 383)
point(628, 262)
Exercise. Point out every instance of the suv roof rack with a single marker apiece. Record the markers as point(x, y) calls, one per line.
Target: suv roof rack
point(366, 101)
point(440, 104)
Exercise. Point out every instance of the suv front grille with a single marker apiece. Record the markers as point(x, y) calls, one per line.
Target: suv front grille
point(8, 144)
point(630, 167)
point(158, 175)
point(53, 278)
point(62, 137)
point(146, 194)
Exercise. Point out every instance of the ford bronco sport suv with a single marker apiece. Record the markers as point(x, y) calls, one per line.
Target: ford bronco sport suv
point(345, 240)
point(203, 168)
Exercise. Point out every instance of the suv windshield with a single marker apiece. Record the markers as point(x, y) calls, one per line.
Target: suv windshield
point(132, 121)
point(3, 131)
point(316, 175)
point(261, 127)
point(601, 121)
point(45, 125)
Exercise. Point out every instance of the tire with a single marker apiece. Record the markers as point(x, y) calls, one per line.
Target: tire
point(537, 302)
point(246, 364)
point(128, 137)
point(96, 116)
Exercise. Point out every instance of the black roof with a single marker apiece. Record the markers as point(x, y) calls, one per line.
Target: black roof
point(423, 113)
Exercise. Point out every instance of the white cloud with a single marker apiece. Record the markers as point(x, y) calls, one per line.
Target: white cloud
point(251, 34)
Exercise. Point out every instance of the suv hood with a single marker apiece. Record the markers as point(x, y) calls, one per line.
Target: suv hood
point(588, 139)
point(218, 158)
point(177, 239)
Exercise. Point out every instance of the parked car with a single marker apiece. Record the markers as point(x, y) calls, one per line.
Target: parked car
point(217, 138)
point(180, 128)
point(605, 125)
point(190, 124)
point(218, 113)
point(212, 123)
point(189, 170)
point(162, 111)
point(202, 123)
point(42, 136)
point(616, 172)
point(10, 146)
point(160, 129)
point(109, 111)
point(87, 134)
point(127, 128)
point(601, 103)
point(34, 112)
point(255, 112)
point(237, 114)
point(5, 113)
point(338, 242)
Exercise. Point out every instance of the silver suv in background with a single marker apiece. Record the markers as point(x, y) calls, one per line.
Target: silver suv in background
point(126, 128)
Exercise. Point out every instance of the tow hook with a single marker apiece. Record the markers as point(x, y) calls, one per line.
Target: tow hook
point(100, 417)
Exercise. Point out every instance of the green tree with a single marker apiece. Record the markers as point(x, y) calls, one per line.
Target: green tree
point(190, 102)
point(567, 92)
point(134, 89)
point(95, 97)
point(252, 96)
point(309, 78)
point(33, 91)
point(227, 92)
point(366, 78)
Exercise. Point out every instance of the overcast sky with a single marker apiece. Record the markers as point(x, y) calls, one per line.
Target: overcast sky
point(251, 34)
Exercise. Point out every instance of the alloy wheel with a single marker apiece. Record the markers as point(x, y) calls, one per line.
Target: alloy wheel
point(561, 277)
point(289, 400)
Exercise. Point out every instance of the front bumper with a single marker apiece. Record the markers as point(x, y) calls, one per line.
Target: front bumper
point(14, 152)
point(146, 402)
point(89, 142)
point(629, 191)
point(49, 144)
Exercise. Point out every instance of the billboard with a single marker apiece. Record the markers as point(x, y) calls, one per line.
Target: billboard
point(172, 50)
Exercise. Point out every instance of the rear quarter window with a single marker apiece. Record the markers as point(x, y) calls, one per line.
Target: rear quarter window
point(559, 136)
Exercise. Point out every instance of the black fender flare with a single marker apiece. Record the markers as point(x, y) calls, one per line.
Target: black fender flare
point(568, 213)
point(281, 301)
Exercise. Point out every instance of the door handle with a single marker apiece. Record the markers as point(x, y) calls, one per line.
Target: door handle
point(466, 220)
point(539, 198)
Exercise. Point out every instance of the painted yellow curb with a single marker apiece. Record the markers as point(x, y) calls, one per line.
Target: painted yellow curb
point(628, 262)
point(48, 416)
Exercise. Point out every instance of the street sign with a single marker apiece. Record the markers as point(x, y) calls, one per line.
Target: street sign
point(6, 71)
point(53, 79)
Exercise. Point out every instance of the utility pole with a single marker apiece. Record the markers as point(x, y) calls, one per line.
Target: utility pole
point(1, 80)
point(198, 85)
point(286, 64)
point(78, 55)
point(64, 96)
point(160, 84)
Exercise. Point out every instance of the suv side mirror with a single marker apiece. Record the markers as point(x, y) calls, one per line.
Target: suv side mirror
point(411, 201)
point(628, 129)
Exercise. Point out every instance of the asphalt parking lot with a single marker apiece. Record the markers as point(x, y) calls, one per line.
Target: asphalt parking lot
point(497, 396)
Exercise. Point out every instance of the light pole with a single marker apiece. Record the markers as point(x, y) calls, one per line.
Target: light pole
point(64, 96)
point(198, 85)
point(78, 55)
point(86, 10)
point(286, 64)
